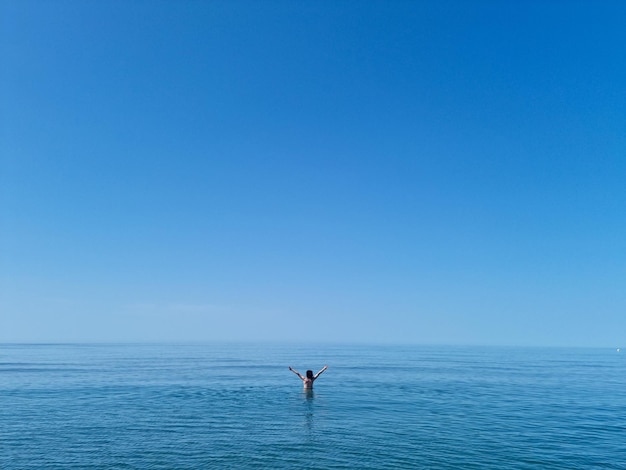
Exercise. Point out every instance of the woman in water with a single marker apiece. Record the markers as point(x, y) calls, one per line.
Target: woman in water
point(310, 378)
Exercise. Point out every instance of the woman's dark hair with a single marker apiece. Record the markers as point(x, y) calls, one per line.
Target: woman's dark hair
point(309, 374)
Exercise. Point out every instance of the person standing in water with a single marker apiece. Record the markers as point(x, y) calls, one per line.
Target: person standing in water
point(310, 378)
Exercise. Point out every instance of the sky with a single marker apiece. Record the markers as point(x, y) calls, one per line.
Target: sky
point(430, 172)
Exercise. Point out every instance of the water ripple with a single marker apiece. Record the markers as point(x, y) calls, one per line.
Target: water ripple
point(212, 406)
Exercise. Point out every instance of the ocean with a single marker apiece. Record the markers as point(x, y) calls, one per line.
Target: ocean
point(237, 406)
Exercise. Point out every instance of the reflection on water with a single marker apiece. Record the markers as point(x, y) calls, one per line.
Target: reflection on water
point(309, 395)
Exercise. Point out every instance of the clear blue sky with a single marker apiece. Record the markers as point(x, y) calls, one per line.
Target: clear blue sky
point(369, 171)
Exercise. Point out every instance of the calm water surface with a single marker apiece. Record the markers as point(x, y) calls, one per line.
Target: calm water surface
point(238, 406)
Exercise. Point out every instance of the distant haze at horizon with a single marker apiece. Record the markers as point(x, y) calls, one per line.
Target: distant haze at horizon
point(405, 172)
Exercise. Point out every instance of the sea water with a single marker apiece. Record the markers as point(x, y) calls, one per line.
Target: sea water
point(179, 406)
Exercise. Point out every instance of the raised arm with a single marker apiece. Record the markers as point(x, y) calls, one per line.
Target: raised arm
point(296, 372)
point(318, 374)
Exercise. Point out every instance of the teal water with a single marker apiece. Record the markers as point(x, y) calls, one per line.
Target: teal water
point(379, 407)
